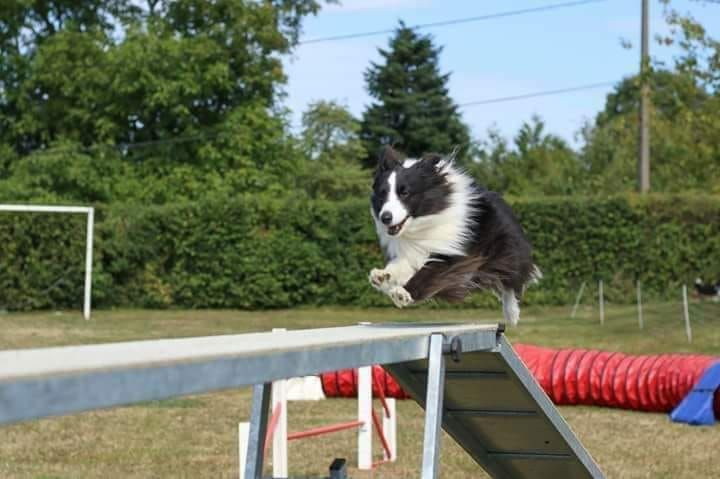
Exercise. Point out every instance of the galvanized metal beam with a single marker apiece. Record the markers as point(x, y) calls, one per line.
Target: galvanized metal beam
point(485, 398)
point(53, 381)
point(548, 409)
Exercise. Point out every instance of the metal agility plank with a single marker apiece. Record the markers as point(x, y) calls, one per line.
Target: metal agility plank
point(495, 410)
point(44, 382)
point(487, 401)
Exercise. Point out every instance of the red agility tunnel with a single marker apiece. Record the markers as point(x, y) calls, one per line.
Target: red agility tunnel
point(643, 383)
point(344, 383)
point(579, 376)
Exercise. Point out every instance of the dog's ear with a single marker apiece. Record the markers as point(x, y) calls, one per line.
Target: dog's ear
point(388, 158)
point(434, 160)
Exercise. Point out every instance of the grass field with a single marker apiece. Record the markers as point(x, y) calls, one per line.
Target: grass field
point(195, 437)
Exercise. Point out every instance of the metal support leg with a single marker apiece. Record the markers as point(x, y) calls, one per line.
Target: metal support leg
point(258, 430)
point(434, 408)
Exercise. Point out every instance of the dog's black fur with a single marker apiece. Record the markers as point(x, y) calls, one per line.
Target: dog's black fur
point(499, 256)
point(494, 253)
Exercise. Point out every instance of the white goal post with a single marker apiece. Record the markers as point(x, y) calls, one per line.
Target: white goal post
point(90, 212)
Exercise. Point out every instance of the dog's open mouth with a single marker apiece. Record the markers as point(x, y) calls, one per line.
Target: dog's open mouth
point(395, 229)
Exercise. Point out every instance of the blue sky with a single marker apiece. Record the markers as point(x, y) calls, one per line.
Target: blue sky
point(488, 59)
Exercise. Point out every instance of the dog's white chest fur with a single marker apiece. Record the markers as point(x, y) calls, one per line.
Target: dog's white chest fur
point(444, 233)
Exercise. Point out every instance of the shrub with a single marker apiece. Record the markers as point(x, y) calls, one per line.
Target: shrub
point(263, 251)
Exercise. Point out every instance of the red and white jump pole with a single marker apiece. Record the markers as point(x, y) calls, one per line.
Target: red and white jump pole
point(279, 431)
point(310, 388)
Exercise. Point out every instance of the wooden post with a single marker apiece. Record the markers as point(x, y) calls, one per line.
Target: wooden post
point(688, 329)
point(243, 437)
point(279, 439)
point(577, 300)
point(644, 153)
point(639, 306)
point(390, 430)
point(602, 302)
point(365, 415)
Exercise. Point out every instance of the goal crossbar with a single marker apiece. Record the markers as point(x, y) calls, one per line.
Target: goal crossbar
point(87, 210)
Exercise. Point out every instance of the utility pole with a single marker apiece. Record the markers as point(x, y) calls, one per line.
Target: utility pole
point(644, 153)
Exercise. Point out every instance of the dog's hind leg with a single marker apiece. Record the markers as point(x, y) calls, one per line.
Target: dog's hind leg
point(511, 308)
point(428, 281)
point(450, 278)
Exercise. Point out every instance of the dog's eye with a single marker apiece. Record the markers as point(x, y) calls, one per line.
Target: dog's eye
point(403, 191)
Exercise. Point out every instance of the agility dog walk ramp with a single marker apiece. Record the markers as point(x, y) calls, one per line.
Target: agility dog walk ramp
point(495, 410)
point(466, 376)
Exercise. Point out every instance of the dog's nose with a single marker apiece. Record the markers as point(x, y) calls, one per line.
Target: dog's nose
point(386, 218)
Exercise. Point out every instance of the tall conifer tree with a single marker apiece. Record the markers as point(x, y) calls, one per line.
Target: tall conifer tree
point(411, 109)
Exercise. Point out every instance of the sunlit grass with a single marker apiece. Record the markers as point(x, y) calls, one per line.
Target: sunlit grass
point(196, 437)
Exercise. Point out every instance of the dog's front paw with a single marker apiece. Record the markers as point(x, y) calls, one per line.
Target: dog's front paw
point(400, 297)
point(379, 279)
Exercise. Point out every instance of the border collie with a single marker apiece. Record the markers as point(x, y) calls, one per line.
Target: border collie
point(444, 236)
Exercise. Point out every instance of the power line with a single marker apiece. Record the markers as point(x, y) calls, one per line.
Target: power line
point(524, 96)
point(456, 21)
point(126, 146)
point(560, 91)
point(216, 134)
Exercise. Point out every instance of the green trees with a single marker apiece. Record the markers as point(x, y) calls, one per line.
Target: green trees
point(681, 145)
point(333, 150)
point(193, 84)
point(112, 71)
point(331, 133)
point(684, 145)
point(166, 116)
point(157, 101)
point(537, 163)
point(412, 109)
point(685, 119)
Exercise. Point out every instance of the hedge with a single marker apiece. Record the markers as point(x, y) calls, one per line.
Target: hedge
point(259, 252)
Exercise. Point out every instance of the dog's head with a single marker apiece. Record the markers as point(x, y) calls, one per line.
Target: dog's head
point(406, 189)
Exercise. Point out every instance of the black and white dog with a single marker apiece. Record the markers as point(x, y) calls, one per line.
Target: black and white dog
point(444, 236)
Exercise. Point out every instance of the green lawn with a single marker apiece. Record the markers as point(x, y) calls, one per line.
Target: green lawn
point(196, 437)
